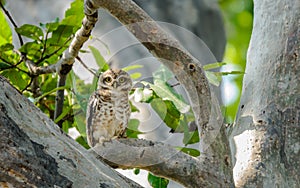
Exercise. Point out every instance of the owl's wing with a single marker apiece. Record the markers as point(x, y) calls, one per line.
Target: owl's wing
point(91, 107)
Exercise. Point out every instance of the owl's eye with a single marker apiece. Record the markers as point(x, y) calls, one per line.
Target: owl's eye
point(107, 79)
point(121, 80)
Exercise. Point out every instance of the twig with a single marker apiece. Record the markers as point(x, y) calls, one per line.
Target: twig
point(57, 50)
point(44, 46)
point(33, 68)
point(31, 80)
point(85, 66)
point(13, 66)
point(13, 22)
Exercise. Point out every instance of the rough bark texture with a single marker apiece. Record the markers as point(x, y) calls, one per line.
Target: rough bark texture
point(35, 153)
point(266, 136)
point(165, 161)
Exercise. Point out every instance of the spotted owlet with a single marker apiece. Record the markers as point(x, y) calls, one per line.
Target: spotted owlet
point(108, 109)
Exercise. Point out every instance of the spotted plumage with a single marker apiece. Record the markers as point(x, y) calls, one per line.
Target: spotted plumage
point(108, 109)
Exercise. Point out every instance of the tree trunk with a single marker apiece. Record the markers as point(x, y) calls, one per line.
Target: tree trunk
point(265, 139)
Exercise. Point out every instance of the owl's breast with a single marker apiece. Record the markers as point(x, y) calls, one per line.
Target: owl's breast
point(107, 117)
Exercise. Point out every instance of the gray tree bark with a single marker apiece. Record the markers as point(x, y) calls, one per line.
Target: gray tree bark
point(36, 153)
point(265, 140)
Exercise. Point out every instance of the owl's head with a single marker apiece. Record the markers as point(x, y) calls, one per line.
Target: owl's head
point(115, 79)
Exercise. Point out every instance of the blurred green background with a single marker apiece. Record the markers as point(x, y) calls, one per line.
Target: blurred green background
point(238, 16)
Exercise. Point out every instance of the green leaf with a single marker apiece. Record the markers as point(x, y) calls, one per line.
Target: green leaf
point(61, 35)
point(103, 66)
point(82, 141)
point(3, 65)
point(135, 75)
point(75, 9)
point(103, 43)
point(132, 128)
point(5, 31)
point(190, 151)
point(157, 182)
point(167, 112)
point(6, 47)
point(80, 90)
point(74, 14)
point(213, 78)
point(143, 95)
point(48, 82)
point(166, 93)
point(80, 124)
point(213, 65)
point(73, 21)
point(8, 57)
point(16, 78)
point(163, 74)
point(230, 73)
point(52, 26)
point(132, 67)
point(50, 92)
point(30, 31)
point(32, 49)
point(66, 111)
point(95, 83)
point(190, 137)
point(133, 108)
point(66, 125)
point(136, 171)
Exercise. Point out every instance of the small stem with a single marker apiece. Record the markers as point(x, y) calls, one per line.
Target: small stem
point(13, 22)
point(50, 55)
point(45, 45)
point(85, 66)
point(59, 99)
point(31, 80)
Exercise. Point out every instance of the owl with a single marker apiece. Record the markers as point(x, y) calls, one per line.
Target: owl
point(108, 109)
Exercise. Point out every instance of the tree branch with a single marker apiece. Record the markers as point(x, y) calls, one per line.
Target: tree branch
point(36, 153)
point(162, 160)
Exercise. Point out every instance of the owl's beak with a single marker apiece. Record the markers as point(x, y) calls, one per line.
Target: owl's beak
point(115, 85)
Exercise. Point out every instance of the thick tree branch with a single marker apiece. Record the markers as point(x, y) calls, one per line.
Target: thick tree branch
point(36, 153)
point(162, 160)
